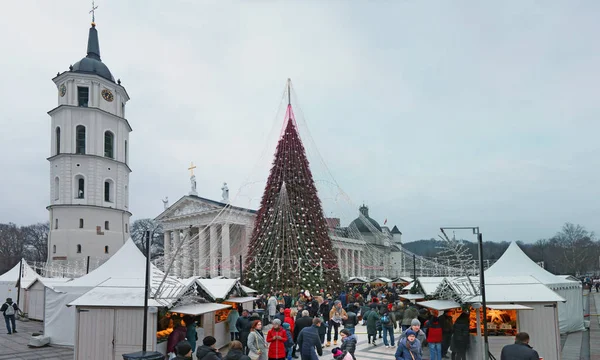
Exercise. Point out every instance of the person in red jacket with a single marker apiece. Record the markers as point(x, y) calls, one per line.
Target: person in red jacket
point(434, 337)
point(277, 338)
point(176, 336)
point(289, 319)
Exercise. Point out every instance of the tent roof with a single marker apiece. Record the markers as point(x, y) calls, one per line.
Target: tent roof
point(248, 290)
point(514, 262)
point(217, 288)
point(440, 304)
point(28, 274)
point(381, 279)
point(47, 282)
point(199, 309)
point(357, 280)
point(127, 262)
point(428, 284)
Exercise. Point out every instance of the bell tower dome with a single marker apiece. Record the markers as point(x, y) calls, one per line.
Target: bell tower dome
point(89, 161)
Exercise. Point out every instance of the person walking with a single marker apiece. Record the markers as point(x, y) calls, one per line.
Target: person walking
point(208, 351)
point(520, 350)
point(351, 319)
point(446, 323)
point(9, 309)
point(232, 319)
point(190, 331)
point(434, 337)
point(289, 343)
point(460, 337)
point(272, 307)
point(349, 342)
point(336, 316)
point(301, 323)
point(276, 337)
point(415, 326)
point(410, 313)
point(257, 344)
point(236, 351)
point(388, 323)
point(179, 334)
point(309, 342)
point(372, 318)
point(409, 348)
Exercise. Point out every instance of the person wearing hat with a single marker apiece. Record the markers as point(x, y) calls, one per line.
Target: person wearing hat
point(207, 350)
point(236, 351)
point(276, 337)
point(9, 309)
point(289, 343)
point(409, 348)
point(183, 350)
point(415, 326)
point(339, 354)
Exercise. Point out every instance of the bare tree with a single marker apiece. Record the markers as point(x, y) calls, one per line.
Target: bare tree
point(577, 248)
point(11, 246)
point(138, 231)
point(35, 237)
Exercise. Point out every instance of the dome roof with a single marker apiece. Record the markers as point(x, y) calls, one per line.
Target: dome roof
point(92, 64)
point(359, 222)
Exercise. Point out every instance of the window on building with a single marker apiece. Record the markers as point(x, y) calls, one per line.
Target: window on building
point(57, 140)
point(80, 187)
point(123, 109)
point(80, 139)
point(126, 228)
point(106, 249)
point(106, 225)
point(81, 223)
point(78, 248)
point(56, 223)
point(54, 249)
point(83, 95)
point(108, 191)
point(56, 188)
point(126, 154)
point(109, 144)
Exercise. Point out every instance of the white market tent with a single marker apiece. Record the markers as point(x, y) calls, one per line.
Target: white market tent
point(429, 285)
point(9, 281)
point(59, 319)
point(218, 288)
point(514, 262)
point(35, 295)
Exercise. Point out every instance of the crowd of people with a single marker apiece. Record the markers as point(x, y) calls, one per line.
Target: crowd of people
point(286, 327)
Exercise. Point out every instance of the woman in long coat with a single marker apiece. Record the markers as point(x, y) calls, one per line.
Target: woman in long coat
point(257, 343)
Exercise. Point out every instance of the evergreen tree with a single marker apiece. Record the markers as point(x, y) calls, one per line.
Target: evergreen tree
point(290, 248)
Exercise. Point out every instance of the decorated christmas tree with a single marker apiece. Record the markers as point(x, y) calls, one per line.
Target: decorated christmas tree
point(290, 248)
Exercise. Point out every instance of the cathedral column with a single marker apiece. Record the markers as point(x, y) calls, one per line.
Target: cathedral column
point(225, 251)
point(177, 264)
point(339, 259)
point(214, 252)
point(203, 259)
point(346, 263)
point(360, 264)
point(167, 249)
point(185, 253)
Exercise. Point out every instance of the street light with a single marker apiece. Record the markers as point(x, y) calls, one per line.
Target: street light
point(486, 345)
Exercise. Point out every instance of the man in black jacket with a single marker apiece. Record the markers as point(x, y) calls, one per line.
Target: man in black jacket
point(243, 327)
point(301, 323)
point(520, 350)
point(309, 341)
point(9, 309)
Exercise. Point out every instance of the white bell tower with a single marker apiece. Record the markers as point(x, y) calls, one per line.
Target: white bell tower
point(89, 161)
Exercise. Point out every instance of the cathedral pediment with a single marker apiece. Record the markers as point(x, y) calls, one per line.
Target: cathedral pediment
point(188, 206)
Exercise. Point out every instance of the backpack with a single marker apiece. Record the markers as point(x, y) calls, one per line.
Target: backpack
point(385, 319)
point(10, 310)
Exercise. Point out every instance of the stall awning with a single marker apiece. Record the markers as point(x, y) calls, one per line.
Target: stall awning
point(508, 307)
point(198, 309)
point(440, 304)
point(241, 300)
point(412, 296)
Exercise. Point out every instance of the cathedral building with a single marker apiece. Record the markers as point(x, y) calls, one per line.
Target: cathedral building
point(89, 161)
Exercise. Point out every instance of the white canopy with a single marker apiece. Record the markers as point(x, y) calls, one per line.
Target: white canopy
point(9, 280)
point(440, 304)
point(412, 296)
point(248, 290)
point(199, 309)
point(217, 288)
point(382, 280)
point(514, 262)
point(241, 300)
point(428, 284)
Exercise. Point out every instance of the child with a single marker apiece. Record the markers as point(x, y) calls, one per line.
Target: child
point(348, 342)
point(289, 343)
point(338, 354)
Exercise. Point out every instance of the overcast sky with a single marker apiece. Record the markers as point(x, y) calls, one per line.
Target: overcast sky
point(432, 113)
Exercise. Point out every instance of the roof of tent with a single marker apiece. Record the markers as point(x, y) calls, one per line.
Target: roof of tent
point(127, 262)
point(428, 284)
point(28, 274)
point(217, 288)
point(514, 262)
point(48, 282)
point(382, 280)
point(248, 290)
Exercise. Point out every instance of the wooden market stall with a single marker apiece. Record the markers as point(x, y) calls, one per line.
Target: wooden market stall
point(210, 319)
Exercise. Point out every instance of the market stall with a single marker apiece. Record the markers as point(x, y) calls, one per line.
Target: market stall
point(357, 280)
point(211, 320)
point(9, 283)
point(412, 297)
point(425, 285)
point(381, 281)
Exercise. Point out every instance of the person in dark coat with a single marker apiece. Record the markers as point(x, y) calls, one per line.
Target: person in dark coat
point(280, 314)
point(183, 350)
point(460, 337)
point(351, 321)
point(309, 341)
point(349, 342)
point(236, 352)
point(9, 309)
point(178, 335)
point(301, 323)
point(446, 322)
point(243, 326)
point(207, 350)
point(372, 319)
point(520, 350)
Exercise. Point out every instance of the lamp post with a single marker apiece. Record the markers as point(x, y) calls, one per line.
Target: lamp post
point(486, 345)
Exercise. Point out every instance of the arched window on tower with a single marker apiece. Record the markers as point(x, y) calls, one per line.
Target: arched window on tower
point(54, 249)
point(80, 139)
point(56, 188)
point(80, 182)
point(126, 154)
point(106, 249)
point(78, 248)
point(109, 144)
point(57, 140)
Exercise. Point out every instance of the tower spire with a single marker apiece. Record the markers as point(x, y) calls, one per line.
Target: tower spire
point(289, 85)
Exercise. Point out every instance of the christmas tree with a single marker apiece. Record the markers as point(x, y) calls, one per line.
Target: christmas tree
point(290, 248)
